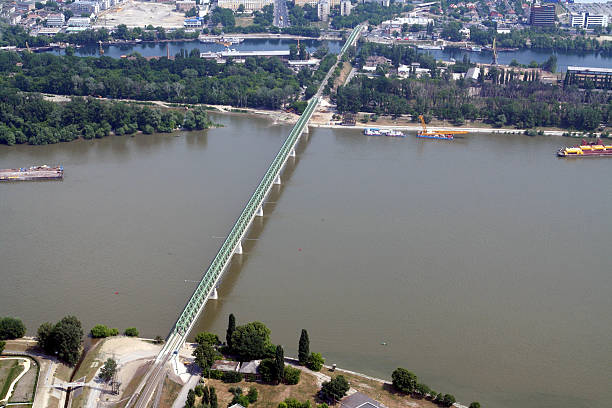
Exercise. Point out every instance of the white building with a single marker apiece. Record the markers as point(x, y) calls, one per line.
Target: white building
point(85, 7)
point(472, 73)
point(249, 5)
point(56, 20)
point(314, 3)
point(384, 3)
point(79, 22)
point(345, 7)
point(587, 20)
point(396, 25)
point(323, 10)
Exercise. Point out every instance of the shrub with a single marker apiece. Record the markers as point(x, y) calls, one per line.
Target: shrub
point(131, 332)
point(209, 338)
point(158, 340)
point(216, 374)
point(448, 400)
point(252, 395)
point(199, 390)
point(100, 331)
point(267, 369)
point(475, 404)
point(231, 377)
point(315, 361)
point(2, 345)
point(240, 399)
point(334, 389)
point(11, 328)
point(235, 390)
point(292, 375)
point(113, 332)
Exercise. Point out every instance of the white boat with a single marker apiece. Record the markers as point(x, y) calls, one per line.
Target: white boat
point(430, 47)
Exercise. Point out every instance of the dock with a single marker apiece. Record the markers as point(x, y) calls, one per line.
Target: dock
point(32, 173)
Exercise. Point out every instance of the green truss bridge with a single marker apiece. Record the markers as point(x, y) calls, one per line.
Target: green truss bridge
point(207, 288)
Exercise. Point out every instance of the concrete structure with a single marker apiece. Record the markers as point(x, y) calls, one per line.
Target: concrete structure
point(192, 23)
point(85, 7)
point(243, 54)
point(395, 25)
point(599, 77)
point(542, 15)
point(249, 5)
point(345, 7)
point(586, 20)
point(56, 20)
point(314, 3)
point(384, 3)
point(79, 22)
point(323, 10)
point(50, 31)
point(225, 365)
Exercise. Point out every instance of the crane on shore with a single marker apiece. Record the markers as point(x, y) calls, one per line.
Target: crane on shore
point(494, 51)
point(437, 134)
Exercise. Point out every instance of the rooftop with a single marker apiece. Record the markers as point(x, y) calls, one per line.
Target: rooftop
point(359, 400)
point(590, 69)
point(225, 365)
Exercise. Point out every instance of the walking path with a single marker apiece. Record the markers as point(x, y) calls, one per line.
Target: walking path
point(26, 364)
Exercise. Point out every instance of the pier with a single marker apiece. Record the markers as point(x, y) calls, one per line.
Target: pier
point(32, 173)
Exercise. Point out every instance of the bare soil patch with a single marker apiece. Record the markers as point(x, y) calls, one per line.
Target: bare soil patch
point(169, 393)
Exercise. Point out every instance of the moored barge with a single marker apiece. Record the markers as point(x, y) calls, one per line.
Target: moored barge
point(586, 149)
point(32, 173)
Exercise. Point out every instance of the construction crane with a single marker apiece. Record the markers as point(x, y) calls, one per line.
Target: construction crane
point(101, 49)
point(28, 47)
point(494, 51)
point(437, 134)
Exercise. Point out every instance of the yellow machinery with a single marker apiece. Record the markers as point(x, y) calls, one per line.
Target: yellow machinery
point(425, 132)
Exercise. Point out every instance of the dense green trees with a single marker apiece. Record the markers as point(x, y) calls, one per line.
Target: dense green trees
point(108, 370)
point(11, 328)
point(374, 13)
point(209, 396)
point(101, 331)
point(62, 339)
point(131, 332)
point(28, 118)
point(2, 345)
point(334, 389)
point(251, 341)
point(292, 375)
point(259, 82)
point(205, 352)
point(279, 360)
point(303, 347)
point(475, 404)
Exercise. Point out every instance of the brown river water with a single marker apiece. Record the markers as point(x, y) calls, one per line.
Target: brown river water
point(484, 264)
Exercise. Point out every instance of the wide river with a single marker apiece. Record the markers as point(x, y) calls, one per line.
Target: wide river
point(484, 264)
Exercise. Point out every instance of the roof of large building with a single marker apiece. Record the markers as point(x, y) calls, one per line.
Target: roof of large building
point(359, 400)
point(591, 69)
point(225, 365)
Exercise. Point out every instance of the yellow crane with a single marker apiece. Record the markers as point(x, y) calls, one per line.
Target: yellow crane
point(437, 134)
point(28, 47)
point(101, 49)
point(494, 51)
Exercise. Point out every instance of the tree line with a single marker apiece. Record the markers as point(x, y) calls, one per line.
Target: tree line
point(28, 118)
point(259, 82)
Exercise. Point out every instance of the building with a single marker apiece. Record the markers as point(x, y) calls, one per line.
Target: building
point(250, 370)
point(384, 3)
point(542, 15)
point(85, 7)
point(359, 400)
point(56, 20)
point(345, 7)
point(185, 5)
point(192, 23)
point(395, 25)
point(472, 73)
point(599, 77)
point(314, 3)
point(79, 22)
point(323, 10)
point(587, 20)
point(249, 5)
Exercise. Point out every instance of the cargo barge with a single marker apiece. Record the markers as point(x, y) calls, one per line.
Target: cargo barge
point(32, 173)
point(383, 132)
point(586, 149)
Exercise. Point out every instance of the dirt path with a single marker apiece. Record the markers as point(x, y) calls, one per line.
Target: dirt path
point(26, 364)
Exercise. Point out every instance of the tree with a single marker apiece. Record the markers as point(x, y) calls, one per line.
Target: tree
point(11, 328)
point(2, 345)
point(131, 332)
point(404, 380)
point(475, 404)
point(304, 347)
point(315, 361)
point(209, 397)
point(280, 363)
point(252, 395)
point(267, 370)
point(63, 339)
point(231, 327)
point(190, 403)
point(250, 341)
point(205, 355)
point(448, 400)
point(292, 375)
point(108, 370)
point(334, 389)
point(210, 338)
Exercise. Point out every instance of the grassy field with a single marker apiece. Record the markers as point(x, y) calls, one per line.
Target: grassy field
point(26, 387)
point(169, 393)
point(9, 370)
point(131, 387)
point(244, 21)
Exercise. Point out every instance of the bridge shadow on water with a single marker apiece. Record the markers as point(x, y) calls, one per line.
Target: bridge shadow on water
point(230, 277)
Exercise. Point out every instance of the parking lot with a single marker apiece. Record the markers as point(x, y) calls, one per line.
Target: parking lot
point(141, 14)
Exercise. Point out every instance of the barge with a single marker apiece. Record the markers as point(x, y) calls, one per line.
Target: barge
point(32, 173)
point(586, 149)
point(383, 132)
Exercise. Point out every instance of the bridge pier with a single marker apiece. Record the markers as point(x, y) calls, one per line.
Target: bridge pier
point(259, 212)
point(306, 129)
point(214, 294)
point(238, 248)
point(277, 180)
point(292, 153)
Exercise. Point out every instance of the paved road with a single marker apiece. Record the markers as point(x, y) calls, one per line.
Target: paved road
point(281, 14)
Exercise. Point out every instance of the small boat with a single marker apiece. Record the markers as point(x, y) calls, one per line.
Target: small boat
point(475, 48)
point(430, 47)
point(372, 132)
point(393, 133)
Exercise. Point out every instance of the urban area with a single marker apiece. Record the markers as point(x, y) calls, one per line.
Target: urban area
point(79, 70)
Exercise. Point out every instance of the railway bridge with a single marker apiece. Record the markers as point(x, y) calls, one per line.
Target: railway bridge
point(207, 288)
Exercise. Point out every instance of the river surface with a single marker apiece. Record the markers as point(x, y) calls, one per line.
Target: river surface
point(484, 264)
point(524, 56)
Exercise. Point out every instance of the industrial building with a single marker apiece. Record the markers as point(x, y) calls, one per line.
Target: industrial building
point(599, 77)
point(345, 7)
point(56, 20)
point(249, 5)
point(586, 20)
point(323, 9)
